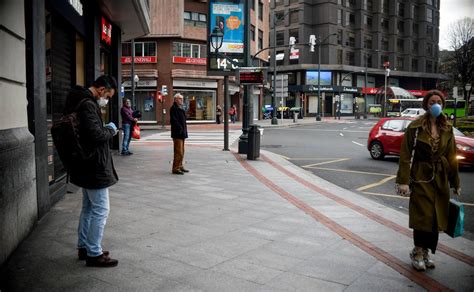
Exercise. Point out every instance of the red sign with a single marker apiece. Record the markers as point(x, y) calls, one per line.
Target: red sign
point(106, 34)
point(140, 60)
point(386, 64)
point(420, 93)
point(369, 90)
point(190, 61)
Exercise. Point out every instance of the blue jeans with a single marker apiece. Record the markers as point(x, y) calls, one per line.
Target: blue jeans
point(126, 137)
point(94, 213)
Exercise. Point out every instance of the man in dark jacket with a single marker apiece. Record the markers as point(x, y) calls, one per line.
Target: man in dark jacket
point(179, 133)
point(128, 122)
point(96, 172)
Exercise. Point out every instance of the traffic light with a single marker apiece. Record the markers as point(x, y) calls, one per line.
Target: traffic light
point(164, 90)
point(160, 98)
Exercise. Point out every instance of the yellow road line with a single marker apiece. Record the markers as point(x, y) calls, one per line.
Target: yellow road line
point(363, 188)
point(325, 162)
point(350, 171)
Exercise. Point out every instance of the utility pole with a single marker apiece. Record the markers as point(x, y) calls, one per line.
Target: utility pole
point(274, 112)
point(132, 76)
point(243, 139)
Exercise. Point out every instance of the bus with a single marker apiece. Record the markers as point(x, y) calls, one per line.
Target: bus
point(395, 106)
point(461, 108)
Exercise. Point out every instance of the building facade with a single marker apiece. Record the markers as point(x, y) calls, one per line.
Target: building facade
point(356, 37)
point(174, 55)
point(48, 47)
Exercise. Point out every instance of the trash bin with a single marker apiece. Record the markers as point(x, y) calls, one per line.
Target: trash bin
point(253, 150)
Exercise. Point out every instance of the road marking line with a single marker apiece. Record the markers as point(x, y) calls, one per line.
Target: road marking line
point(285, 157)
point(350, 171)
point(363, 188)
point(341, 134)
point(422, 279)
point(325, 162)
point(385, 195)
point(321, 158)
point(358, 143)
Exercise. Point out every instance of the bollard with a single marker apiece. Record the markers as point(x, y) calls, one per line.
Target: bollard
point(253, 150)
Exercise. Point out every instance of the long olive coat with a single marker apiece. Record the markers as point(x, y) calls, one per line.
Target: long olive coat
point(428, 199)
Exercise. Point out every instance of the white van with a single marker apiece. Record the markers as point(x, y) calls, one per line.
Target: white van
point(413, 112)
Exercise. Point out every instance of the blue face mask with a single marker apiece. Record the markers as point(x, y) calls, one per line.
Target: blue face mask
point(435, 110)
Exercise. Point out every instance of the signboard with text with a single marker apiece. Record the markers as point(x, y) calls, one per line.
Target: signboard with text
point(250, 75)
point(189, 61)
point(106, 34)
point(227, 16)
point(139, 60)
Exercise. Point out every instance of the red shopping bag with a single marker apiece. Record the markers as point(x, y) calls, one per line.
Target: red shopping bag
point(136, 132)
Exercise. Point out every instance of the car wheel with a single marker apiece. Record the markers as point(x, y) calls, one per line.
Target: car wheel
point(376, 150)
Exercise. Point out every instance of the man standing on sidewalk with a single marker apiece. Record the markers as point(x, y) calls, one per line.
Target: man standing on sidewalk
point(96, 172)
point(179, 133)
point(128, 121)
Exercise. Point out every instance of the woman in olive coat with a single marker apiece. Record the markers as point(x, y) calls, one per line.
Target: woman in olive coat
point(434, 169)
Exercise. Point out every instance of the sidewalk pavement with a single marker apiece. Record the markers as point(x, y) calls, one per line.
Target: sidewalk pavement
point(233, 225)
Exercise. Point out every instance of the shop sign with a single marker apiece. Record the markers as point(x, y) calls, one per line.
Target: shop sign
point(139, 60)
point(77, 5)
point(195, 83)
point(294, 54)
point(106, 34)
point(189, 61)
point(418, 92)
point(349, 89)
point(369, 90)
point(141, 83)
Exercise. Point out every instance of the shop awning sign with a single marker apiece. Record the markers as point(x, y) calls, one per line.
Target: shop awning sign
point(106, 35)
point(140, 60)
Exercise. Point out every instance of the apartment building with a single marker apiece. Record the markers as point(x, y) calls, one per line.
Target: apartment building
point(174, 55)
point(399, 35)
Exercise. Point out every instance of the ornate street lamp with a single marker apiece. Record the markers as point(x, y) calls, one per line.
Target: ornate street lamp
point(216, 38)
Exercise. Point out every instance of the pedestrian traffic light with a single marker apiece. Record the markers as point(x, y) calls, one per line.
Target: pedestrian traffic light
point(292, 43)
point(160, 97)
point(312, 42)
point(164, 90)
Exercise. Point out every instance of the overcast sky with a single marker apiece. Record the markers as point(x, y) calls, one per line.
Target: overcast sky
point(452, 10)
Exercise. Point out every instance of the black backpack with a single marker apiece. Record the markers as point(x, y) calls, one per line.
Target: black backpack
point(66, 138)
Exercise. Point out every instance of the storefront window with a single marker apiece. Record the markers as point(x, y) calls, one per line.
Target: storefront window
point(199, 105)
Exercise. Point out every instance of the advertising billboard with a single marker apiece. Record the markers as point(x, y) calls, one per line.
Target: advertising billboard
point(228, 16)
point(312, 78)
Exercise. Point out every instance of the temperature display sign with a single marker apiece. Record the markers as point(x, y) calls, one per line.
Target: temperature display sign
point(225, 63)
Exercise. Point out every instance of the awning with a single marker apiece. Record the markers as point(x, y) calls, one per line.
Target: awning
point(132, 16)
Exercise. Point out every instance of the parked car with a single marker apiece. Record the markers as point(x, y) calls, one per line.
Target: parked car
point(386, 138)
point(413, 112)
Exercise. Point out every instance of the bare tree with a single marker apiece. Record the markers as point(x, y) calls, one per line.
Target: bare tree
point(461, 40)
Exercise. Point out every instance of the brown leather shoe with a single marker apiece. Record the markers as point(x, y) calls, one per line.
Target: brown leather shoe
point(177, 172)
point(82, 253)
point(101, 261)
point(184, 170)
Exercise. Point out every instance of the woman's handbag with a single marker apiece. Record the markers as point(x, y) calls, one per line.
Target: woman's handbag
point(136, 132)
point(455, 219)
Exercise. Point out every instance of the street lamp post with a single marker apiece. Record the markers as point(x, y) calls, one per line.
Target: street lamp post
point(216, 39)
point(387, 73)
point(134, 84)
point(320, 104)
point(274, 118)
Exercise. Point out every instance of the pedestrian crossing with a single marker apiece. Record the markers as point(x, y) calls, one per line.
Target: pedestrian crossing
point(212, 138)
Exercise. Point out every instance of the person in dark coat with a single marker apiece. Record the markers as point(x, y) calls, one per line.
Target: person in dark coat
point(128, 122)
point(96, 172)
point(433, 171)
point(179, 133)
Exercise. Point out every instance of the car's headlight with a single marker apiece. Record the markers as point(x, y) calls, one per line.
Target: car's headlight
point(464, 147)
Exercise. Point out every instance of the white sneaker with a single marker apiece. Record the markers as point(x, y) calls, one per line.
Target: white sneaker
point(417, 260)
point(429, 263)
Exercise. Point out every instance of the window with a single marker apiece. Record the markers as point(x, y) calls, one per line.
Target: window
point(383, 59)
point(260, 39)
point(195, 19)
point(350, 59)
point(294, 33)
point(279, 17)
point(401, 27)
point(368, 42)
point(280, 38)
point(369, 22)
point(429, 50)
point(414, 65)
point(400, 63)
point(400, 45)
point(352, 3)
point(384, 6)
point(347, 3)
point(415, 28)
point(393, 125)
point(293, 17)
point(352, 19)
point(260, 10)
point(339, 56)
point(384, 23)
point(347, 19)
point(401, 9)
point(429, 2)
point(385, 44)
point(350, 39)
point(416, 12)
point(364, 4)
point(414, 47)
point(429, 66)
point(429, 15)
point(429, 31)
point(370, 5)
point(339, 16)
point(189, 50)
point(252, 32)
point(142, 49)
point(369, 61)
point(339, 36)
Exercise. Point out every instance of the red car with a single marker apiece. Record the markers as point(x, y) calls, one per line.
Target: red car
point(386, 137)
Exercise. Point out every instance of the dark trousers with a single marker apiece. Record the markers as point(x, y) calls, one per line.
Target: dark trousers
point(178, 147)
point(427, 239)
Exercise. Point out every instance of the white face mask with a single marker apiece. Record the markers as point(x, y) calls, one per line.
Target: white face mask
point(102, 101)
